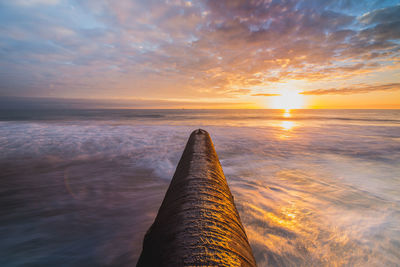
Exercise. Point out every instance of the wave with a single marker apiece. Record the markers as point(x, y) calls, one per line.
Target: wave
point(207, 116)
point(314, 195)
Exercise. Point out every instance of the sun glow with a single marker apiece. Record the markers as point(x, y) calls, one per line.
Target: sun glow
point(287, 125)
point(287, 99)
point(287, 114)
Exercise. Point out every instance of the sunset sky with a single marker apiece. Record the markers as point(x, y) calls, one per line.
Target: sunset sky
point(211, 54)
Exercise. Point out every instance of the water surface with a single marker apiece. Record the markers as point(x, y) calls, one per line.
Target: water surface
point(313, 187)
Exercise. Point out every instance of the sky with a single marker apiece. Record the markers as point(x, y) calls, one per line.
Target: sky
point(211, 54)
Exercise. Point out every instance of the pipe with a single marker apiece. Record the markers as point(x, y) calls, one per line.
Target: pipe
point(197, 223)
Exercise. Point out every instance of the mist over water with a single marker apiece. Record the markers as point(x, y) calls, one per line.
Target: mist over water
point(313, 187)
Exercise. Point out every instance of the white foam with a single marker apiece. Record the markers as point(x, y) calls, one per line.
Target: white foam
point(328, 185)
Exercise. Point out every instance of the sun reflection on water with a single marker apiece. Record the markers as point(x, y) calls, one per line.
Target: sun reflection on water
point(295, 237)
point(287, 114)
point(287, 125)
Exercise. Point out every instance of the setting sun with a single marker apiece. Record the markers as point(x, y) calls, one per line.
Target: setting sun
point(114, 107)
point(287, 99)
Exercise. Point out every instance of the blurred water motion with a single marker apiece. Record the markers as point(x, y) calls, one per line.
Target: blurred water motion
point(315, 188)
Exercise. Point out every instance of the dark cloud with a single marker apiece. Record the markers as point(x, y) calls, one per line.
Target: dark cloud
point(383, 32)
point(360, 89)
point(383, 15)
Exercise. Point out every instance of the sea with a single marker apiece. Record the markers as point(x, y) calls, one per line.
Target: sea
point(312, 187)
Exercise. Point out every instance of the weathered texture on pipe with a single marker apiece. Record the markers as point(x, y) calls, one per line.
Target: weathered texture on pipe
point(197, 223)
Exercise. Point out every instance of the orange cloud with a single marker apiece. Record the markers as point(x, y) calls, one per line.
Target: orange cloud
point(360, 89)
point(265, 95)
point(172, 49)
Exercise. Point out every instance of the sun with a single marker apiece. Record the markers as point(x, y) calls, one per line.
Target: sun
point(287, 99)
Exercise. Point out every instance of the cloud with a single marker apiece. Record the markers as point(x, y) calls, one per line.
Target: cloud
point(265, 95)
point(36, 2)
point(359, 89)
point(174, 49)
point(382, 15)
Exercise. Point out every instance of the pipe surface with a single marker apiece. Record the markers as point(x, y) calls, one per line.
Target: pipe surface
point(197, 223)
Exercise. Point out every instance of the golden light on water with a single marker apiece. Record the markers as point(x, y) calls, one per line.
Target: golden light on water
point(287, 125)
point(287, 113)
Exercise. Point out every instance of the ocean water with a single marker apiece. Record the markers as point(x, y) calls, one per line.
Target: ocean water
point(313, 187)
